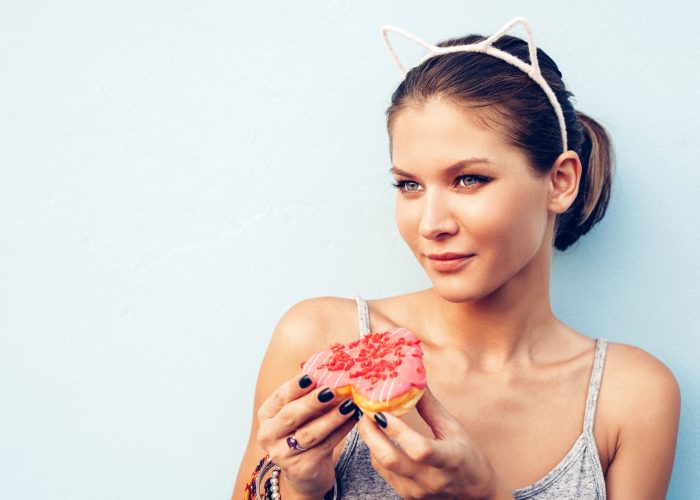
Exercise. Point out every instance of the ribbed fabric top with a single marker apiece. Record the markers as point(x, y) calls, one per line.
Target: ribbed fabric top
point(578, 475)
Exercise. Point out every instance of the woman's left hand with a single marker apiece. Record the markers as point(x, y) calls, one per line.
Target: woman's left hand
point(449, 466)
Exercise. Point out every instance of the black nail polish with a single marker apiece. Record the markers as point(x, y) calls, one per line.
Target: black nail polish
point(381, 419)
point(325, 395)
point(358, 414)
point(347, 407)
point(305, 381)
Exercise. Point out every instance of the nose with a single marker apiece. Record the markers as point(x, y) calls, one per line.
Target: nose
point(436, 219)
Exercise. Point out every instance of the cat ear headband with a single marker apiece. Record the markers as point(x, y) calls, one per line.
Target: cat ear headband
point(486, 47)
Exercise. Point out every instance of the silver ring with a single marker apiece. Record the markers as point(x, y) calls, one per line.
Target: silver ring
point(294, 444)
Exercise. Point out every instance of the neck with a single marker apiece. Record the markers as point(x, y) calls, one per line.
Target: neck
point(502, 328)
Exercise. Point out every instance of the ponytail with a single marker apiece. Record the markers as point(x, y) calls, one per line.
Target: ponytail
point(594, 189)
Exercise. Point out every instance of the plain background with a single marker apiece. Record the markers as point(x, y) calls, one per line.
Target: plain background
point(176, 175)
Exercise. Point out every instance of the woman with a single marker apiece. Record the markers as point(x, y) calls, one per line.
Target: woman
point(493, 168)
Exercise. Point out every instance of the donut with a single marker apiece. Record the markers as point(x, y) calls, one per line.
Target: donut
point(383, 371)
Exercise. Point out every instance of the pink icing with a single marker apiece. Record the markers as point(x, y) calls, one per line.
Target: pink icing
point(381, 366)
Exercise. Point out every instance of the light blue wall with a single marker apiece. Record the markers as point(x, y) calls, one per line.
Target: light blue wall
point(175, 175)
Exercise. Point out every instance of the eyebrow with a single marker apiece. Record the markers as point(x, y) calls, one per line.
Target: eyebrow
point(449, 170)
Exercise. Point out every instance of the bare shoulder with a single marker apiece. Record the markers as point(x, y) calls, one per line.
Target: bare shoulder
point(637, 376)
point(640, 398)
point(308, 326)
point(311, 324)
point(640, 389)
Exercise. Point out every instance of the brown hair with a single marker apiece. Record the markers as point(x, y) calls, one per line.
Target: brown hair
point(509, 98)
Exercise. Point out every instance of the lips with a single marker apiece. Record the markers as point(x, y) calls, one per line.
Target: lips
point(448, 255)
point(449, 261)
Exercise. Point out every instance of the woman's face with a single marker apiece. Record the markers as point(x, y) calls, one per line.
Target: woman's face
point(491, 207)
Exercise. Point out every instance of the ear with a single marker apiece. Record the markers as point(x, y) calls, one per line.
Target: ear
point(564, 180)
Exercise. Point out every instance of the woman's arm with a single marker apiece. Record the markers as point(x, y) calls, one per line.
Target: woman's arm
point(647, 402)
point(297, 335)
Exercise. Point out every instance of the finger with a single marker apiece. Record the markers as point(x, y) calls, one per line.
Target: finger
point(292, 389)
point(335, 437)
point(323, 446)
point(442, 423)
point(416, 446)
point(299, 411)
point(317, 430)
point(385, 453)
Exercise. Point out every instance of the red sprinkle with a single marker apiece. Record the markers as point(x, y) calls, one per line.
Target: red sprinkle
point(378, 357)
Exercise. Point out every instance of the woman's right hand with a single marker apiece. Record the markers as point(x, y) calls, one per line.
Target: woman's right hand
point(318, 419)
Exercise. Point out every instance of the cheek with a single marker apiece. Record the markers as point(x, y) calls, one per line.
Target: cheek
point(407, 220)
point(513, 225)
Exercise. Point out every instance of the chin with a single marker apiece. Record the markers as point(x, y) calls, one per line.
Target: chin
point(456, 291)
point(458, 288)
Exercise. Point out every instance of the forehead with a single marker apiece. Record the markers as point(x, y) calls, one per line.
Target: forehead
point(440, 133)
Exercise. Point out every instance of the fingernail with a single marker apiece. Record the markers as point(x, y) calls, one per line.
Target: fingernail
point(381, 419)
point(358, 414)
point(347, 407)
point(305, 381)
point(325, 395)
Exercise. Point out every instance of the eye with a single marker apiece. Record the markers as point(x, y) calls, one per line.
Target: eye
point(476, 178)
point(402, 186)
point(405, 186)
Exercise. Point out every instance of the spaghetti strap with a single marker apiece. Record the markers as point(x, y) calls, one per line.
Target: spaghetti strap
point(363, 314)
point(594, 385)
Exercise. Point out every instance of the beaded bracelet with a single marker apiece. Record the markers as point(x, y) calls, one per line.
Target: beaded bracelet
point(272, 488)
point(252, 489)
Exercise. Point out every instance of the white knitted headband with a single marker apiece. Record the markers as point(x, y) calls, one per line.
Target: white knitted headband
point(486, 47)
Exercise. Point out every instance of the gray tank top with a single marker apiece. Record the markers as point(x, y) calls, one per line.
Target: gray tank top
point(578, 475)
